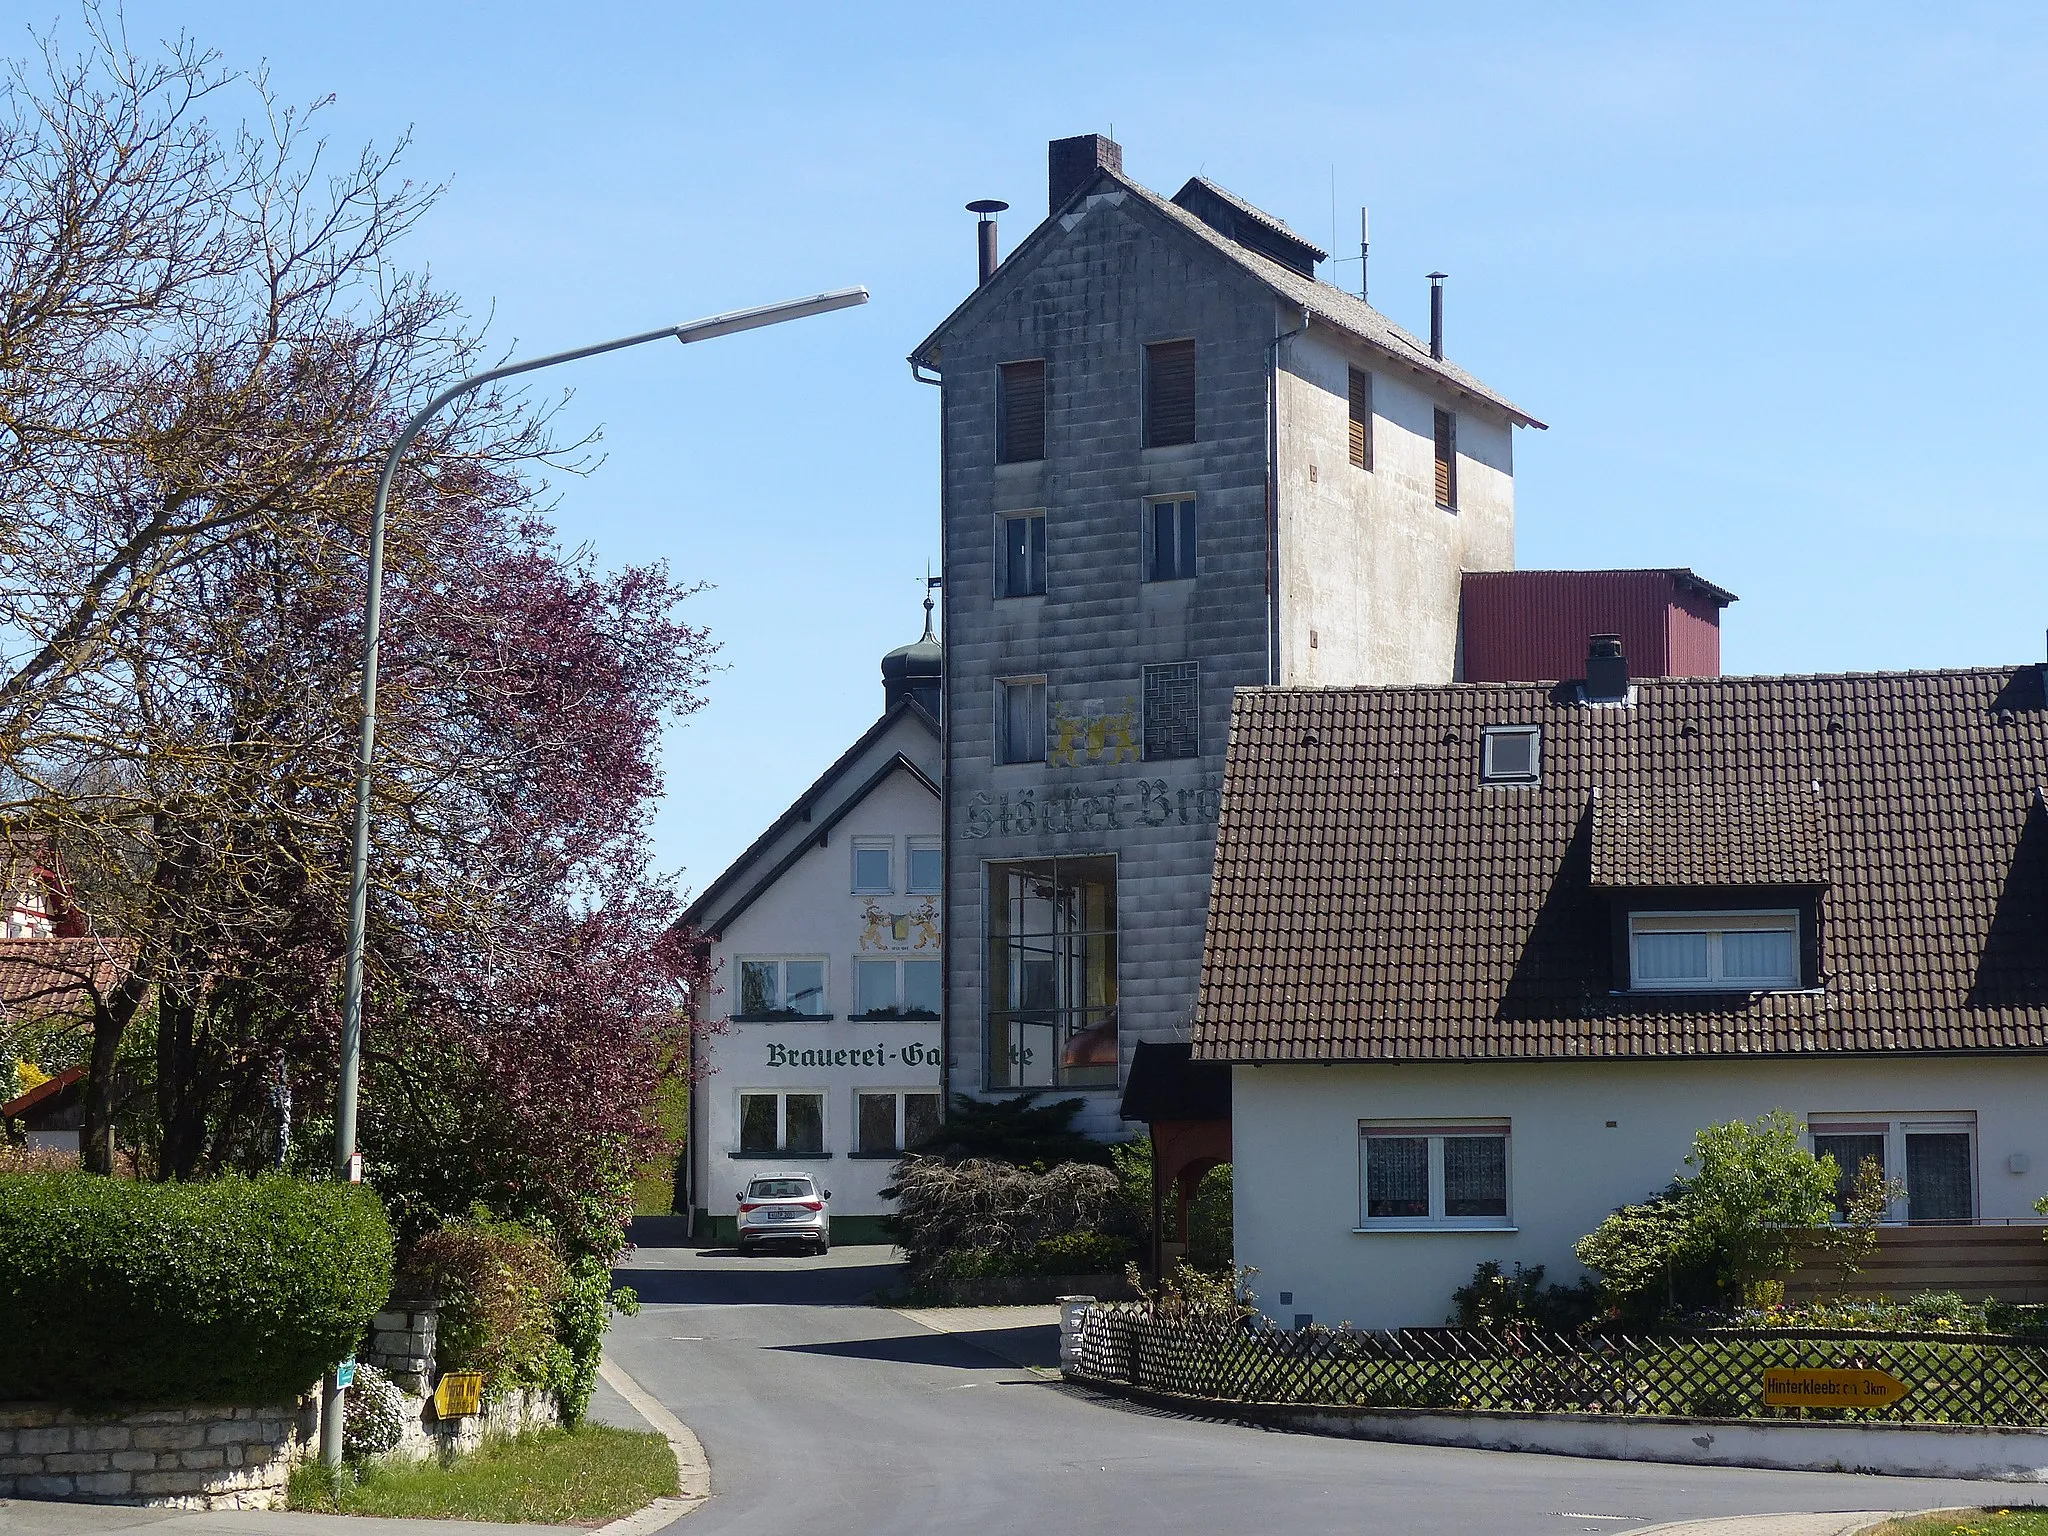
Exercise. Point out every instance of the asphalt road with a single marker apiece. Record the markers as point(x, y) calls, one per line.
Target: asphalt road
point(822, 1414)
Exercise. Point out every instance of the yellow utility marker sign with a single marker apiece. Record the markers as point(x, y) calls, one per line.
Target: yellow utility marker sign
point(459, 1394)
point(1794, 1388)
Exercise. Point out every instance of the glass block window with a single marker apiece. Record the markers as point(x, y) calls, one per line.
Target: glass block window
point(1172, 711)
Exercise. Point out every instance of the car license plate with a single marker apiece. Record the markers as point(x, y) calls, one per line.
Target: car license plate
point(782, 1213)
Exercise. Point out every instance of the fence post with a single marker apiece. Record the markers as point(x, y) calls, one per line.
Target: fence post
point(1131, 1331)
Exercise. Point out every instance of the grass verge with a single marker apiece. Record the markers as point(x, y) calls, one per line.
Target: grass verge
point(549, 1476)
point(1969, 1522)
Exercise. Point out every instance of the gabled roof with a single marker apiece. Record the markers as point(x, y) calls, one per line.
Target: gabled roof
point(1331, 305)
point(1373, 901)
point(773, 852)
point(42, 1094)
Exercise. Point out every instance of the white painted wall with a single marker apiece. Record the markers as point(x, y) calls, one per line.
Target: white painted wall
point(1369, 563)
point(812, 910)
point(1296, 1169)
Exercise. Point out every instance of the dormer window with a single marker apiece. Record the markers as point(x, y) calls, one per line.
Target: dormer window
point(1512, 754)
point(1713, 951)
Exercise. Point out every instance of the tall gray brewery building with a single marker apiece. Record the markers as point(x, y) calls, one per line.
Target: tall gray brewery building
point(1174, 464)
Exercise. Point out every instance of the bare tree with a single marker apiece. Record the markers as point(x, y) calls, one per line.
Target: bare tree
point(206, 345)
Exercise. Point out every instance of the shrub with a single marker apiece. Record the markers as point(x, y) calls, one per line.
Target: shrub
point(582, 1313)
point(1496, 1299)
point(1019, 1130)
point(1756, 1189)
point(1188, 1295)
point(497, 1285)
point(946, 1208)
point(1070, 1253)
point(1732, 1229)
point(237, 1290)
point(376, 1415)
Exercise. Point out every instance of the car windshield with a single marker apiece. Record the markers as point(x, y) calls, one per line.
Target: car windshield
point(779, 1189)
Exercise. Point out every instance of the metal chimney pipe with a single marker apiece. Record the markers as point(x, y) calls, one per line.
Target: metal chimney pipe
point(1436, 314)
point(985, 235)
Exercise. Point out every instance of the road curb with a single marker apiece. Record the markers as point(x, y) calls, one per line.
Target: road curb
point(1827, 1523)
point(693, 1467)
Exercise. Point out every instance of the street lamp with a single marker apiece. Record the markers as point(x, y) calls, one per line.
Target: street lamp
point(366, 746)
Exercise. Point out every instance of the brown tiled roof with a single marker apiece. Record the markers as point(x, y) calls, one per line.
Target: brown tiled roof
point(1373, 901)
point(45, 977)
point(1760, 834)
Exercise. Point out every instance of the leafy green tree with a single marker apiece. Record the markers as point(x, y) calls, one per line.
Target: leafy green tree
point(1756, 1190)
point(1732, 1229)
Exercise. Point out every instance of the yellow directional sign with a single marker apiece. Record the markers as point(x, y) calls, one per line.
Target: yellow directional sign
point(1790, 1387)
point(459, 1394)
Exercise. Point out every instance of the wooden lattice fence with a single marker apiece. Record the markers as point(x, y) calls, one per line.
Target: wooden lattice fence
point(1950, 1378)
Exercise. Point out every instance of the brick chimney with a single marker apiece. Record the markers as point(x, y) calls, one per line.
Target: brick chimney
point(1070, 164)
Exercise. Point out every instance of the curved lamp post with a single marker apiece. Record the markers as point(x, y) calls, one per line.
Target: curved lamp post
point(359, 860)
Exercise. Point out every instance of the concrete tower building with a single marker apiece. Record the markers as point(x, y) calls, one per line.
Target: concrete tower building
point(1174, 464)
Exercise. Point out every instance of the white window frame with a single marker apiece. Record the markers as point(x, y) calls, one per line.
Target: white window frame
point(1003, 521)
point(1435, 1131)
point(919, 845)
point(1487, 772)
point(1149, 534)
point(882, 845)
point(1002, 731)
point(902, 1113)
point(1714, 924)
point(782, 963)
point(897, 962)
point(782, 1096)
point(1895, 1126)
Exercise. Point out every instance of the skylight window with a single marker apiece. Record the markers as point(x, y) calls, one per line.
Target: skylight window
point(1513, 754)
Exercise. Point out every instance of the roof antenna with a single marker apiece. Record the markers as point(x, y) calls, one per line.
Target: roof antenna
point(1364, 250)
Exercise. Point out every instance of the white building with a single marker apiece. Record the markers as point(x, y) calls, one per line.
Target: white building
point(1482, 959)
point(821, 1045)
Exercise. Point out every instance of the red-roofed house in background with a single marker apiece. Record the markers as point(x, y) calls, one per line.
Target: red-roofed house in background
point(51, 971)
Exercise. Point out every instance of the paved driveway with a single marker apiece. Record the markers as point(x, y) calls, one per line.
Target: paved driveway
point(822, 1414)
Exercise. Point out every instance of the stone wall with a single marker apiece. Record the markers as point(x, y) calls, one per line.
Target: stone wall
point(401, 1344)
point(217, 1457)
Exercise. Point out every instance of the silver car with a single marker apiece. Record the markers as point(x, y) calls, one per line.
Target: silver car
point(784, 1207)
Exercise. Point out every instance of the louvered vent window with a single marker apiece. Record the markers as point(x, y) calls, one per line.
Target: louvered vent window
point(1361, 418)
point(1446, 459)
point(1022, 427)
point(1169, 393)
point(1172, 711)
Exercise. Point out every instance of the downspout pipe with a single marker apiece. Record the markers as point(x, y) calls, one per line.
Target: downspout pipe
point(945, 767)
point(1273, 492)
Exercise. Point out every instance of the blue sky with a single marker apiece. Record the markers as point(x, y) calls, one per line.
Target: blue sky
point(1773, 273)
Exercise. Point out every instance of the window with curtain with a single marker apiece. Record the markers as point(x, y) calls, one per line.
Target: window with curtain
point(1433, 1175)
point(1714, 951)
point(1020, 570)
point(1020, 726)
point(1933, 1158)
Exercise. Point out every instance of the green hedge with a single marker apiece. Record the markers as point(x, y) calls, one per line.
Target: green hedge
point(234, 1291)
